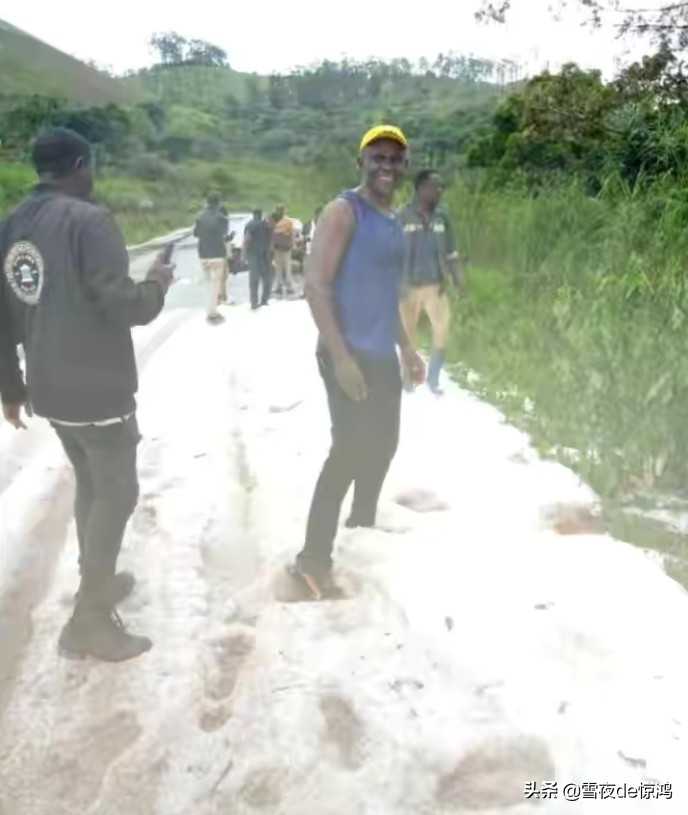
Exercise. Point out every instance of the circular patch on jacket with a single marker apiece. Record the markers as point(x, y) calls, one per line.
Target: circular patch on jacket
point(24, 271)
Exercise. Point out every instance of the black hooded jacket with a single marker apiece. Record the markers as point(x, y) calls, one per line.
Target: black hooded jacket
point(66, 296)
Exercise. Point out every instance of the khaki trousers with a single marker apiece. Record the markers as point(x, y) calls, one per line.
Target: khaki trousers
point(215, 269)
point(435, 304)
point(283, 273)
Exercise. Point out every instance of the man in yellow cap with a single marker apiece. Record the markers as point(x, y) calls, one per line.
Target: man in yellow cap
point(353, 286)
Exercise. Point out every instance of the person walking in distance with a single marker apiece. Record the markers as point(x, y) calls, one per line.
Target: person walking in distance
point(283, 243)
point(211, 230)
point(67, 298)
point(430, 260)
point(222, 297)
point(256, 250)
point(352, 287)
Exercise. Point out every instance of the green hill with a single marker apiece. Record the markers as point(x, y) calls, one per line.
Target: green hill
point(208, 88)
point(301, 116)
point(29, 66)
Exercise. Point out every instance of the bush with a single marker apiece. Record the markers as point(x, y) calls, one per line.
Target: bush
point(16, 180)
point(221, 179)
point(121, 194)
point(150, 167)
point(208, 149)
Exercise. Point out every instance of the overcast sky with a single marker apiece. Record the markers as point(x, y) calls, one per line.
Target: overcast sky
point(267, 35)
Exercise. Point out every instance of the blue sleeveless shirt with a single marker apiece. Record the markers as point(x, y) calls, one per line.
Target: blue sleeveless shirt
point(367, 286)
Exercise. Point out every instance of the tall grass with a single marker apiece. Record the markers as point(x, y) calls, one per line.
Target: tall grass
point(576, 323)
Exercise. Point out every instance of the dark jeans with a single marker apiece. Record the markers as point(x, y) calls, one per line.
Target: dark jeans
point(104, 461)
point(365, 436)
point(260, 272)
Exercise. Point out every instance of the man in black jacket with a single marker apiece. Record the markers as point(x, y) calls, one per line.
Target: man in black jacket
point(66, 296)
point(211, 230)
point(257, 253)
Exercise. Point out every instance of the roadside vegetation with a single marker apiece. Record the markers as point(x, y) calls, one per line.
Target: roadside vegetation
point(575, 218)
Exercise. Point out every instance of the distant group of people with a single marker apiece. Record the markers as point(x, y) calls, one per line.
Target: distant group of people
point(67, 298)
point(271, 245)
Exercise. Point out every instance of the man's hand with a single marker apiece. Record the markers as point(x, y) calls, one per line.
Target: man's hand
point(350, 378)
point(161, 272)
point(457, 275)
point(13, 414)
point(413, 364)
point(460, 274)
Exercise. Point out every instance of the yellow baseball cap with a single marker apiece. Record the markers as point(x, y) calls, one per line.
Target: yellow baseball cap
point(383, 132)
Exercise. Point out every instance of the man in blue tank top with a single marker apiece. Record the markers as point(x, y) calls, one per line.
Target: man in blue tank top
point(353, 287)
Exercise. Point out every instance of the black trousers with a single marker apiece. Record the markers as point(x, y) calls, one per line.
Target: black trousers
point(260, 272)
point(104, 462)
point(365, 436)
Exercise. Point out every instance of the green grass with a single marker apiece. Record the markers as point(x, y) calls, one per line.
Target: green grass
point(176, 201)
point(578, 305)
point(29, 66)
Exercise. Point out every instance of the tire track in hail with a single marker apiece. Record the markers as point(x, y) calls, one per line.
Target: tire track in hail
point(229, 542)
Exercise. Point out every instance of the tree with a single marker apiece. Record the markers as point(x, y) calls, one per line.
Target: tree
point(107, 128)
point(659, 77)
point(200, 52)
point(253, 93)
point(278, 91)
point(666, 25)
point(103, 69)
point(173, 49)
point(574, 124)
point(557, 123)
point(169, 47)
point(156, 113)
point(22, 123)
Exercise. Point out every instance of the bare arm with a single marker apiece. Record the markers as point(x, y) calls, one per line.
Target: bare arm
point(331, 241)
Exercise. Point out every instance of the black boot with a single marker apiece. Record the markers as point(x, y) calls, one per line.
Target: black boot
point(118, 589)
point(98, 632)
